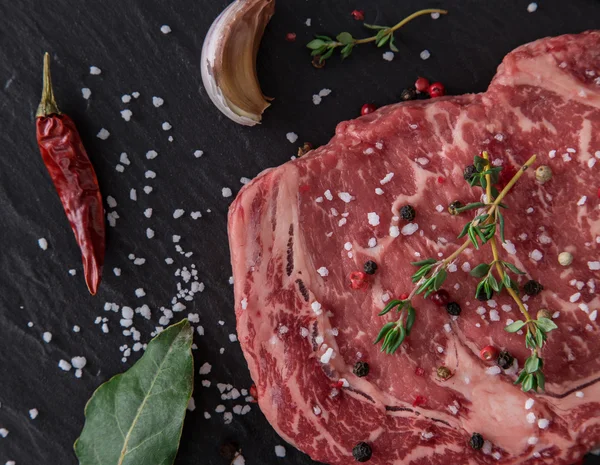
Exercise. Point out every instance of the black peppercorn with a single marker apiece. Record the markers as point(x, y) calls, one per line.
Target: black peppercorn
point(505, 360)
point(532, 287)
point(453, 308)
point(229, 450)
point(370, 267)
point(454, 206)
point(361, 369)
point(362, 452)
point(408, 94)
point(476, 441)
point(468, 172)
point(483, 296)
point(407, 213)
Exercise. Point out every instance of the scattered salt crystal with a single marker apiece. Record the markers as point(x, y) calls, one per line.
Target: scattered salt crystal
point(149, 233)
point(103, 134)
point(86, 93)
point(165, 29)
point(579, 394)
point(582, 201)
point(178, 213)
point(195, 215)
point(388, 56)
point(409, 229)
point(594, 315)
point(387, 178)
point(493, 370)
point(532, 440)
point(316, 99)
point(372, 242)
point(435, 15)
point(64, 365)
point(575, 297)
point(110, 200)
point(543, 423)
point(316, 307)
point(425, 55)
point(532, 7)
point(292, 137)
point(140, 292)
point(43, 243)
point(373, 218)
point(324, 92)
point(326, 357)
point(205, 369)
point(226, 192)
point(345, 197)
point(198, 153)
point(33, 413)
point(536, 255)
point(379, 191)
point(594, 265)
point(47, 337)
point(120, 168)
point(126, 98)
point(95, 70)
point(78, 362)
point(494, 315)
point(280, 451)
point(3, 432)
point(76, 329)
point(530, 418)
point(323, 271)
point(133, 194)
point(126, 114)
point(394, 231)
point(308, 22)
point(117, 271)
point(529, 403)
point(348, 246)
point(157, 101)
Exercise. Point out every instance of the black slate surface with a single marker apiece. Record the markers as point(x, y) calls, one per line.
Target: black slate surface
point(123, 38)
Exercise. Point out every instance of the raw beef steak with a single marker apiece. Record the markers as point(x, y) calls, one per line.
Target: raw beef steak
point(297, 232)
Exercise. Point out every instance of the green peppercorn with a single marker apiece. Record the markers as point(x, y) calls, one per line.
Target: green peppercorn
point(370, 267)
point(476, 441)
point(362, 452)
point(505, 360)
point(469, 171)
point(454, 206)
point(532, 288)
point(444, 373)
point(453, 308)
point(361, 369)
point(407, 213)
point(408, 94)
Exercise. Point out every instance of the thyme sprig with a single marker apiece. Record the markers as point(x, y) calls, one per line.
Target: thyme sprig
point(432, 272)
point(323, 46)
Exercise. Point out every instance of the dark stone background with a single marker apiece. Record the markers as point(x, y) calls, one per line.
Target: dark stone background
point(123, 39)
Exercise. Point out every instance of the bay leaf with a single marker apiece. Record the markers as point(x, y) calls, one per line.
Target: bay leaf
point(136, 417)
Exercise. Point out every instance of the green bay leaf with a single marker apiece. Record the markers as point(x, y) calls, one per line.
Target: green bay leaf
point(136, 417)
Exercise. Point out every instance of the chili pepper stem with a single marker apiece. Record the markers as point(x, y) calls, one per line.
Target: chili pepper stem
point(408, 19)
point(47, 105)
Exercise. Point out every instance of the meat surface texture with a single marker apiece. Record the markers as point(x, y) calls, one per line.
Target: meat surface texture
point(297, 231)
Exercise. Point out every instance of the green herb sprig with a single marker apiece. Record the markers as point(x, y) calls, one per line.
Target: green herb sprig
point(323, 46)
point(432, 272)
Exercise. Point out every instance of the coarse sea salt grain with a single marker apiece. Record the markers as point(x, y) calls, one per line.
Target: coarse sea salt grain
point(292, 137)
point(178, 213)
point(95, 70)
point(43, 243)
point(117, 271)
point(379, 191)
point(166, 126)
point(594, 266)
point(316, 307)
point(388, 56)
point(139, 292)
point(387, 178)
point(509, 247)
point(425, 54)
point(64, 365)
point(157, 101)
point(493, 370)
point(126, 114)
point(536, 255)
point(226, 192)
point(151, 154)
point(394, 231)
point(409, 229)
point(323, 271)
point(373, 218)
point(205, 368)
point(86, 93)
point(3, 432)
point(530, 417)
point(280, 451)
point(47, 337)
point(165, 29)
point(126, 98)
point(79, 362)
point(33, 413)
point(103, 134)
point(372, 242)
point(529, 403)
point(345, 197)
point(133, 194)
point(532, 7)
point(543, 423)
point(579, 394)
point(149, 233)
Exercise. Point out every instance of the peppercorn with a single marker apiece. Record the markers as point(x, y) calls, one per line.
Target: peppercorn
point(358, 15)
point(544, 313)
point(317, 62)
point(444, 373)
point(532, 288)
point(436, 89)
point(488, 353)
point(422, 84)
point(440, 298)
point(454, 206)
point(408, 94)
point(290, 37)
point(407, 213)
point(367, 108)
point(476, 441)
point(362, 452)
point(483, 296)
point(505, 360)
point(361, 369)
point(229, 450)
point(469, 171)
point(565, 258)
point(453, 308)
point(370, 267)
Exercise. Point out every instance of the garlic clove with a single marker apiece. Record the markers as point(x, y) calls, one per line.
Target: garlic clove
point(228, 61)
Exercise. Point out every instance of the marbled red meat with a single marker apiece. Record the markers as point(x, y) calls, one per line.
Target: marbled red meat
point(298, 231)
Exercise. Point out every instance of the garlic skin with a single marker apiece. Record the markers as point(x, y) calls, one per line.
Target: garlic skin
point(228, 61)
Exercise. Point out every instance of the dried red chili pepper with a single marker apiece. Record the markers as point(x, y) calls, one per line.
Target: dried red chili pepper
point(74, 179)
